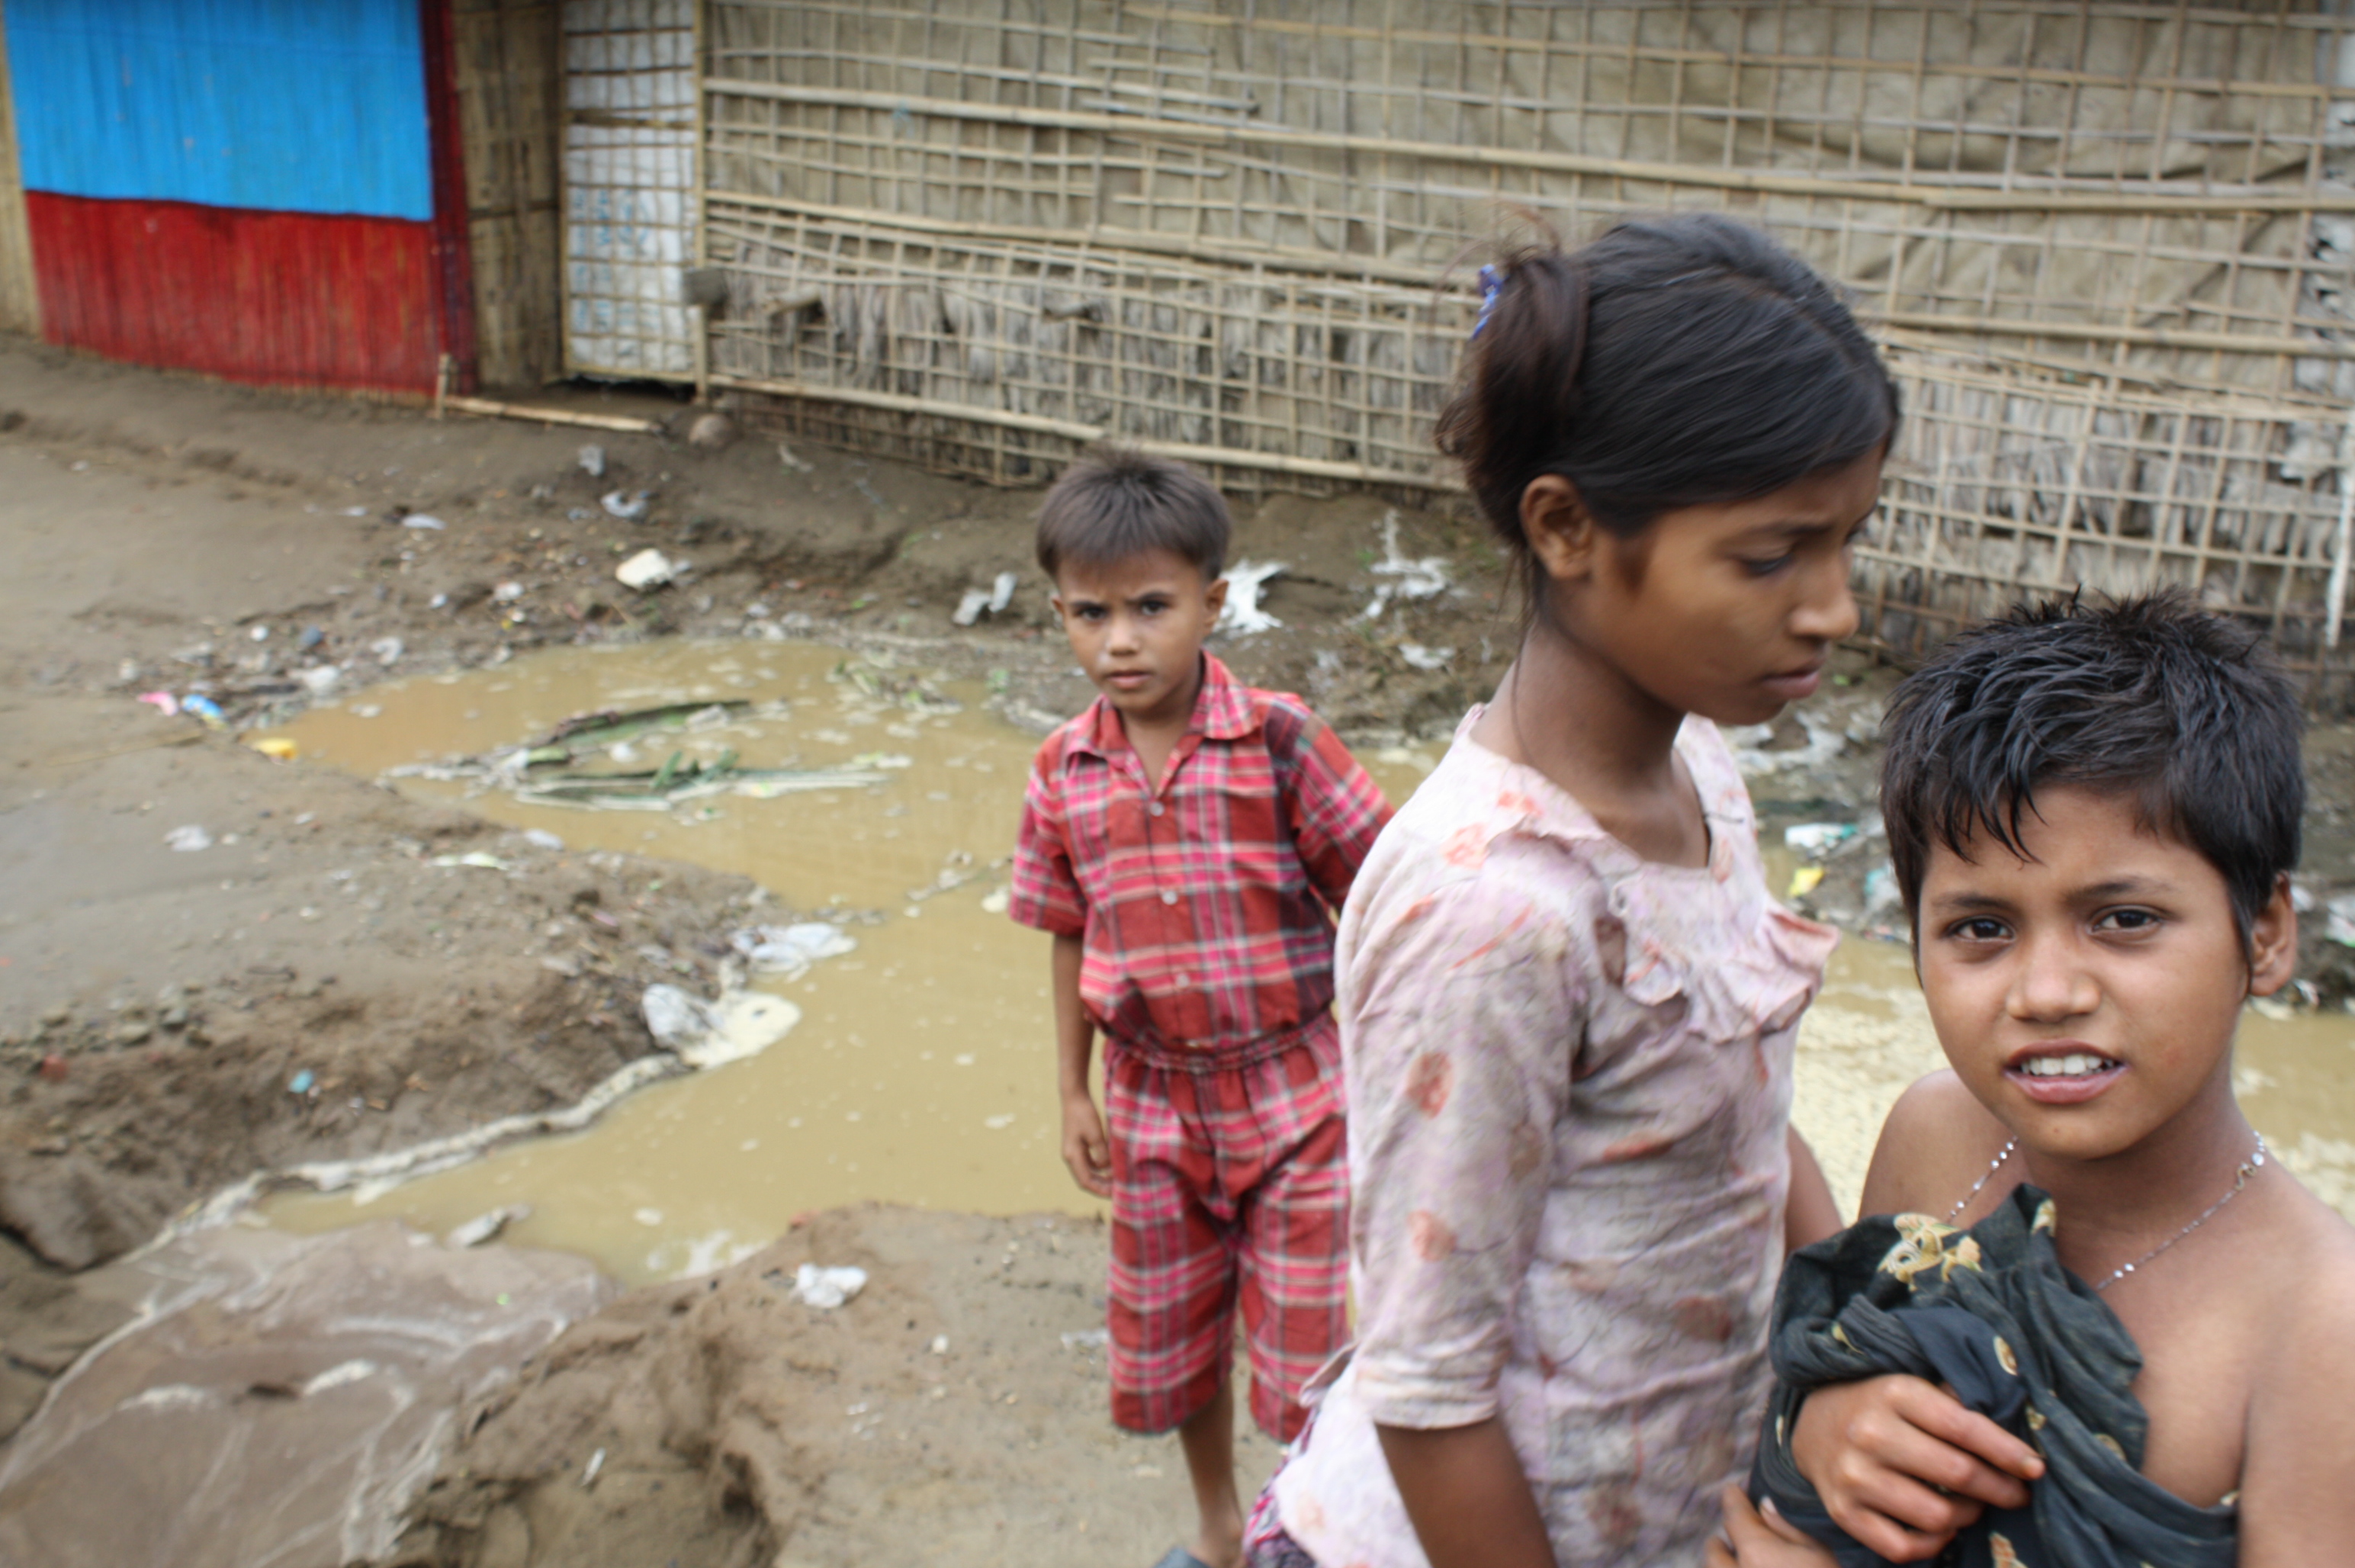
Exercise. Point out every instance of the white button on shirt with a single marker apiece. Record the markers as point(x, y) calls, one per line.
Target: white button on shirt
point(1169, 895)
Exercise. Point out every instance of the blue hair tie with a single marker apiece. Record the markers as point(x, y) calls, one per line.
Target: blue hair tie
point(1492, 283)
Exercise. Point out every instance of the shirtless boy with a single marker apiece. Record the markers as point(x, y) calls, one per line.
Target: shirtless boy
point(2093, 812)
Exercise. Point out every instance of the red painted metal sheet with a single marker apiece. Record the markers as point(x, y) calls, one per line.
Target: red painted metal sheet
point(283, 298)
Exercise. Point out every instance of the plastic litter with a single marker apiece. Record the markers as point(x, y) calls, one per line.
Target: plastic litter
point(1241, 614)
point(53, 1067)
point(970, 607)
point(627, 507)
point(301, 1083)
point(541, 839)
point(1001, 592)
point(1409, 578)
point(990, 601)
point(311, 638)
point(163, 703)
point(1881, 898)
point(477, 858)
point(188, 839)
point(590, 1472)
point(388, 650)
point(1086, 1338)
point(785, 455)
point(707, 1034)
point(1422, 657)
point(592, 460)
point(648, 569)
point(483, 1227)
point(206, 709)
point(1817, 839)
point(789, 950)
point(2340, 917)
point(259, 634)
point(827, 1288)
point(277, 748)
point(1805, 880)
point(320, 680)
point(506, 592)
point(421, 521)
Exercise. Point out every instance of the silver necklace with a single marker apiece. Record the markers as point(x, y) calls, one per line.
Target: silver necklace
point(2249, 1168)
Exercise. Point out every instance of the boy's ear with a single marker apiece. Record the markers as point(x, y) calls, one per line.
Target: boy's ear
point(2272, 942)
point(1562, 534)
point(1214, 597)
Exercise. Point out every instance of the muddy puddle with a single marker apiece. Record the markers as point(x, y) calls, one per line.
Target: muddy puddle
point(922, 1071)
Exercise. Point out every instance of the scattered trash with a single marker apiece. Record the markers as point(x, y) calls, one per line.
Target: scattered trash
point(259, 634)
point(1241, 614)
point(188, 839)
point(506, 592)
point(940, 1344)
point(592, 460)
point(53, 1067)
point(627, 507)
point(827, 1288)
point(311, 638)
point(2339, 914)
point(1086, 1338)
point(163, 703)
point(421, 521)
point(2301, 897)
point(785, 455)
point(706, 1034)
point(895, 761)
point(320, 680)
point(997, 900)
point(1422, 657)
point(789, 950)
point(648, 569)
point(1881, 898)
point(1423, 578)
point(1817, 839)
point(541, 839)
point(990, 601)
point(590, 1472)
point(711, 431)
point(1750, 741)
point(365, 711)
point(1805, 880)
point(301, 1083)
point(485, 1227)
point(277, 748)
point(477, 858)
point(649, 1218)
point(439, 601)
point(206, 709)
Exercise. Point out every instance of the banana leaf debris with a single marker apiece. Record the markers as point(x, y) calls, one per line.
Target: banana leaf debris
point(552, 771)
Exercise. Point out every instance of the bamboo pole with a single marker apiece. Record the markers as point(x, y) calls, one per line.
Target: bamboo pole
point(494, 408)
point(2140, 337)
point(1756, 181)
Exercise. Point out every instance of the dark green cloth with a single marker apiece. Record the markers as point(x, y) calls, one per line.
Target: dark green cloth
point(1991, 1313)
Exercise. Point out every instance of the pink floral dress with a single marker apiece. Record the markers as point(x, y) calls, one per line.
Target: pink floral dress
point(1570, 1079)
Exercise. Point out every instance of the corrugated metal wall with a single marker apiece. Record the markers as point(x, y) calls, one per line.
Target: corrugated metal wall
point(19, 309)
point(246, 188)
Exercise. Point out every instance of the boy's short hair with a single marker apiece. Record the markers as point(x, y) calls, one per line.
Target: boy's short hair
point(1114, 504)
point(2150, 697)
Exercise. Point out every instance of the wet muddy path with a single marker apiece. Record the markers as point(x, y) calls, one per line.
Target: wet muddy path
point(922, 1071)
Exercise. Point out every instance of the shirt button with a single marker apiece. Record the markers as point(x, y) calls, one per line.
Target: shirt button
point(1185, 979)
point(1155, 808)
point(1169, 895)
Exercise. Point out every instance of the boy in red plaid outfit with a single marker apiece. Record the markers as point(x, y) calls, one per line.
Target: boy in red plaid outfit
point(1187, 840)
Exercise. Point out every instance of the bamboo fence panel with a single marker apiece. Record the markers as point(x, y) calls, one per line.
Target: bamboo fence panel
point(2111, 246)
point(20, 305)
point(509, 97)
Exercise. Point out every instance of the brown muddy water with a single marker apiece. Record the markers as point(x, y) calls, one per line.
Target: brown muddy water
point(922, 1071)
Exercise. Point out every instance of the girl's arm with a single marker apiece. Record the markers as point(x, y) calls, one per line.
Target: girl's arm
point(1811, 1212)
point(1467, 1496)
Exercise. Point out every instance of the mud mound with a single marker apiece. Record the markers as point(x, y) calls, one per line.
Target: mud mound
point(738, 1426)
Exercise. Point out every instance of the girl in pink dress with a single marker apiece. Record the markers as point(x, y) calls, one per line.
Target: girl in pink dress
point(1566, 1001)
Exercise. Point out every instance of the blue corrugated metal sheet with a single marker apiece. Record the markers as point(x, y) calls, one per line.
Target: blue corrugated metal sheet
point(284, 105)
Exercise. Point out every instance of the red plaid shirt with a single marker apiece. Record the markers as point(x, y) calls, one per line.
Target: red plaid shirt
point(1203, 904)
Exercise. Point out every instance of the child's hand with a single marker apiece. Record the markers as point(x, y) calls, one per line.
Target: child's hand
point(1763, 1540)
point(1902, 1465)
point(1085, 1150)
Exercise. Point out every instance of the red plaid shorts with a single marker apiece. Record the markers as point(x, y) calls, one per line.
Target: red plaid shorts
point(1230, 1189)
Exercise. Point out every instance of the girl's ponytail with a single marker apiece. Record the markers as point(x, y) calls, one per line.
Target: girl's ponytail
point(1674, 362)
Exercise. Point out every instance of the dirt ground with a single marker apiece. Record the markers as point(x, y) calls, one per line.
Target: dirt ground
point(320, 982)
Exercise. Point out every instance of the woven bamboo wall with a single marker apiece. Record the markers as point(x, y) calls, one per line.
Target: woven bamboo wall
point(509, 90)
point(2109, 244)
point(20, 309)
